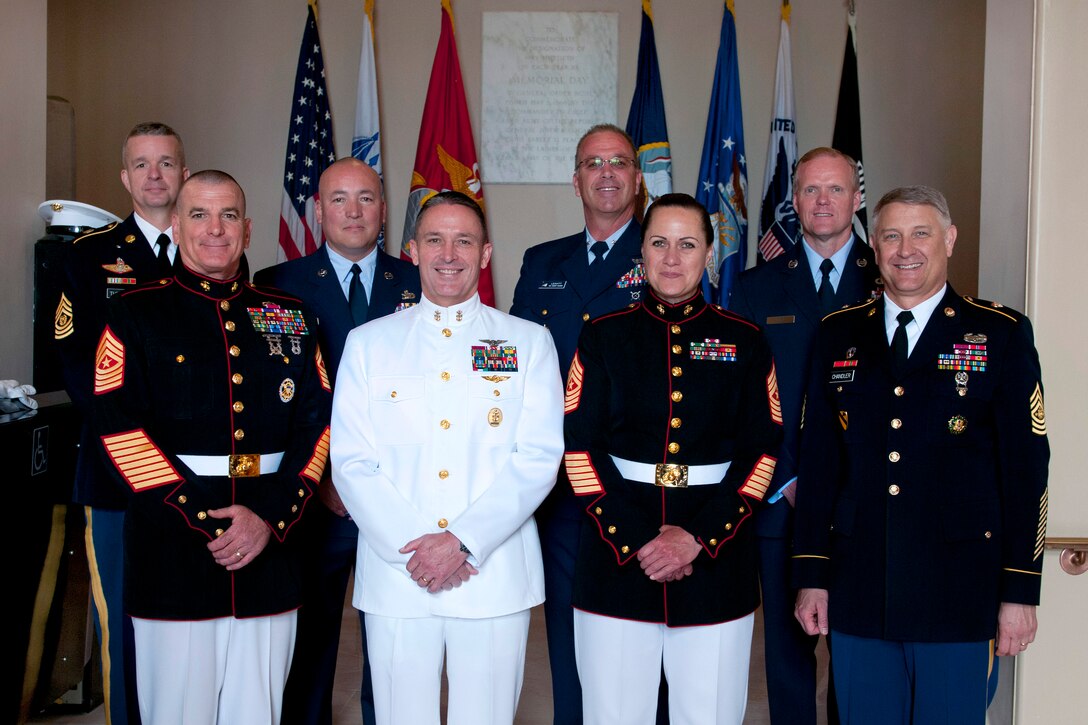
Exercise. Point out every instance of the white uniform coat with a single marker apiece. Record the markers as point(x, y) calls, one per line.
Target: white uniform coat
point(429, 435)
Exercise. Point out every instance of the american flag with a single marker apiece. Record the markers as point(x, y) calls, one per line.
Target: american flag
point(309, 148)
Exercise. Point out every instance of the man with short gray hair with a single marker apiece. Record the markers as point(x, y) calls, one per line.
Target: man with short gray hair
point(922, 496)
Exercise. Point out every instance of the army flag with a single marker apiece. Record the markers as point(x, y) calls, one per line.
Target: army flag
point(646, 119)
point(847, 134)
point(723, 176)
point(446, 153)
point(777, 217)
point(366, 143)
point(309, 148)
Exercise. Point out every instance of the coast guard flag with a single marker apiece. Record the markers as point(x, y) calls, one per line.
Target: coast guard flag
point(847, 134)
point(445, 154)
point(723, 179)
point(309, 148)
point(646, 119)
point(777, 217)
point(366, 143)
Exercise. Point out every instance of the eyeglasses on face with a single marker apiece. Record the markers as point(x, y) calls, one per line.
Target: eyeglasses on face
point(594, 163)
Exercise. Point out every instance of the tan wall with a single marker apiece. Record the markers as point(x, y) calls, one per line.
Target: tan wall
point(22, 175)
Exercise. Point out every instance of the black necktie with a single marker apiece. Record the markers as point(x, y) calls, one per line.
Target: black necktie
point(164, 258)
point(599, 249)
point(899, 341)
point(826, 291)
point(357, 297)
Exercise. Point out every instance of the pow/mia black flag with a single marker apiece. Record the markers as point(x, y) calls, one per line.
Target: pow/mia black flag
point(847, 134)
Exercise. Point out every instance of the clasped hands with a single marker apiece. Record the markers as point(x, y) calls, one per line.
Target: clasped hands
point(438, 563)
point(667, 557)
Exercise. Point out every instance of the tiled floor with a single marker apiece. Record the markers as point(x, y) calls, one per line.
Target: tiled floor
point(535, 707)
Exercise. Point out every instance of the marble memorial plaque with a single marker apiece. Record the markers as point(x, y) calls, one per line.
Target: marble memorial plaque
point(547, 77)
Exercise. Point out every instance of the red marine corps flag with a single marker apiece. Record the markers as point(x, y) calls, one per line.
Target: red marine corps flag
point(446, 153)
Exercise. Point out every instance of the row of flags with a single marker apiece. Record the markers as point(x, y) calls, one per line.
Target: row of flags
point(446, 153)
point(722, 186)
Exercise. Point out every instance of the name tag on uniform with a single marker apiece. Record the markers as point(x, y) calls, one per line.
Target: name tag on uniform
point(781, 320)
point(842, 376)
point(553, 285)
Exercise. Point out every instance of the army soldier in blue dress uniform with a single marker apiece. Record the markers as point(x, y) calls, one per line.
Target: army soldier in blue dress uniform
point(101, 264)
point(922, 496)
point(672, 424)
point(212, 403)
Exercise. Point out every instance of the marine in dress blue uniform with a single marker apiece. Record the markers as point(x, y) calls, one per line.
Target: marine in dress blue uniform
point(331, 539)
point(101, 264)
point(212, 404)
point(558, 288)
point(921, 509)
point(684, 384)
point(782, 297)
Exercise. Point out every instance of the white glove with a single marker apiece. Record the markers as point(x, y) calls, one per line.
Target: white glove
point(15, 397)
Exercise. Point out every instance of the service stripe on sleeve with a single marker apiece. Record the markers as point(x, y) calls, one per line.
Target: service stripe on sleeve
point(315, 468)
point(583, 476)
point(772, 396)
point(760, 478)
point(321, 371)
point(1040, 534)
point(140, 461)
point(109, 363)
point(574, 386)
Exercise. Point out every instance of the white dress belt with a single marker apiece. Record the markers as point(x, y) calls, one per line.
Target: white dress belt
point(221, 465)
point(704, 475)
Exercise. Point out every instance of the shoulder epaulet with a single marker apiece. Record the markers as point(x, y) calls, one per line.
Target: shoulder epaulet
point(148, 286)
point(94, 232)
point(622, 311)
point(273, 292)
point(722, 312)
point(995, 307)
point(851, 308)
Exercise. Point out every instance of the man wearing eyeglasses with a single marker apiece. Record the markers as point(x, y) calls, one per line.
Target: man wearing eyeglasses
point(563, 283)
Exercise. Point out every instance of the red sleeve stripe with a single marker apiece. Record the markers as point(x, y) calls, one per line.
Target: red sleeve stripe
point(316, 466)
point(760, 478)
point(772, 396)
point(574, 386)
point(140, 461)
point(583, 476)
point(321, 371)
point(109, 363)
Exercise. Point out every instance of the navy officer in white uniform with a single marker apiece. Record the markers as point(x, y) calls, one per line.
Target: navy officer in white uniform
point(447, 434)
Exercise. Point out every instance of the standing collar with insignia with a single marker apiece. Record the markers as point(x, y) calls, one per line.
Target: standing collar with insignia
point(681, 311)
point(206, 286)
point(460, 314)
